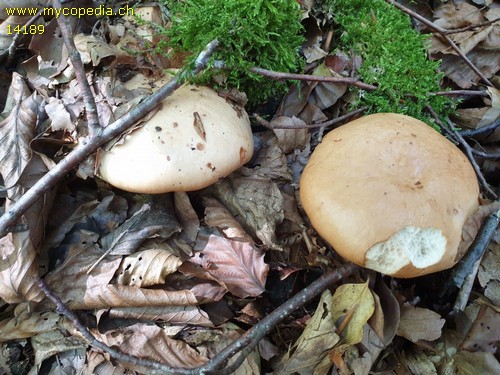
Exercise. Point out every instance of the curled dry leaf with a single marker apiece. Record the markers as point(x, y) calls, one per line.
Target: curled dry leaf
point(352, 307)
point(27, 323)
point(186, 215)
point(69, 349)
point(218, 216)
point(174, 315)
point(147, 267)
point(18, 269)
point(256, 202)
point(238, 265)
point(290, 139)
point(153, 343)
point(314, 343)
point(419, 324)
point(16, 132)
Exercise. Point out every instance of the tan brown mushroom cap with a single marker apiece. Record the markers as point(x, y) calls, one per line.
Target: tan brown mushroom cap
point(195, 139)
point(390, 193)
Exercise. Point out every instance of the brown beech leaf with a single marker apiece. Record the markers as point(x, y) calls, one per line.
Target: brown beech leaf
point(150, 220)
point(290, 139)
point(16, 133)
point(419, 324)
point(27, 323)
point(218, 216)
point(269, 161)
point(313, 345)
point(256, 202)
point(147, 267)
point(174, 315)
point(152, 342)
point(18, 269)
point(238, 265)
point(186, 215)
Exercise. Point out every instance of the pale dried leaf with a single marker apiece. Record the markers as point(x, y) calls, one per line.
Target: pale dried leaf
point(94, 50)
point(290, 139)
point(150, 221)
point(151, 342)
point(270, 161)
point(238, 265)
point(71, 350)
point(313, 345)
point(60, 118)
point(26, 323)
point(218, 216)
point(147, 267)
point(419, 324)
point(489, 270)
point(257, 203)
point(18, 269)
point(105, 296)
point(98, 364)
point(16, 133)
point(186, 215)
point(458, 15)
point(391, 309)
point(174, 315)
point(326, 94)
point(467, 363)
point(484, 334)
point(82, 255)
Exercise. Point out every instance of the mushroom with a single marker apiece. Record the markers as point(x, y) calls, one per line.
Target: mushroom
point(194, 140)
point(391, 194)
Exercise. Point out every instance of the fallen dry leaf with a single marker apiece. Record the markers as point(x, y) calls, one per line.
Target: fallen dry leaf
point(238, 265)
point(313, 345)
point(419, 324)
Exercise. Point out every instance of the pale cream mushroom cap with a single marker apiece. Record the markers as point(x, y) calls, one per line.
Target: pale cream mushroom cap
point(194, 140)
point(390, 193)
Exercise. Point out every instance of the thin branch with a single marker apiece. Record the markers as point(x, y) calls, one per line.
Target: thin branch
point(475, 252)
point(482, 130)
point(455, 135)
point(71, 161)
point(334, 121)
point(280, 76)
point(442, 32)
point(251, 338)
point(471, 27)
point(17, 37)
point(93, 124)
point(460, 93)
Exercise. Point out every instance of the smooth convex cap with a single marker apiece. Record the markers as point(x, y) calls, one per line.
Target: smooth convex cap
point(390, 193)
point(195, 139)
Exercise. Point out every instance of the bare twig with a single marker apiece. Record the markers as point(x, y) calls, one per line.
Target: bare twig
point(18, 36)
point(455, 135)
point(482, 130)
point(475, 252)
point(280, 76)
point(472, 27)
point(461, 93)
point(252, 337)
point(75, 157)
point(245, 343)
point(93, 124)
point(442, 32)
point(334, 121)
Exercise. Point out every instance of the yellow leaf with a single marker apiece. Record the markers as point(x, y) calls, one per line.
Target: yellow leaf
point(352, 306)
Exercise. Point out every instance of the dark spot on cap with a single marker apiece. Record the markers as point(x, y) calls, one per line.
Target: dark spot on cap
point(158, 128)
